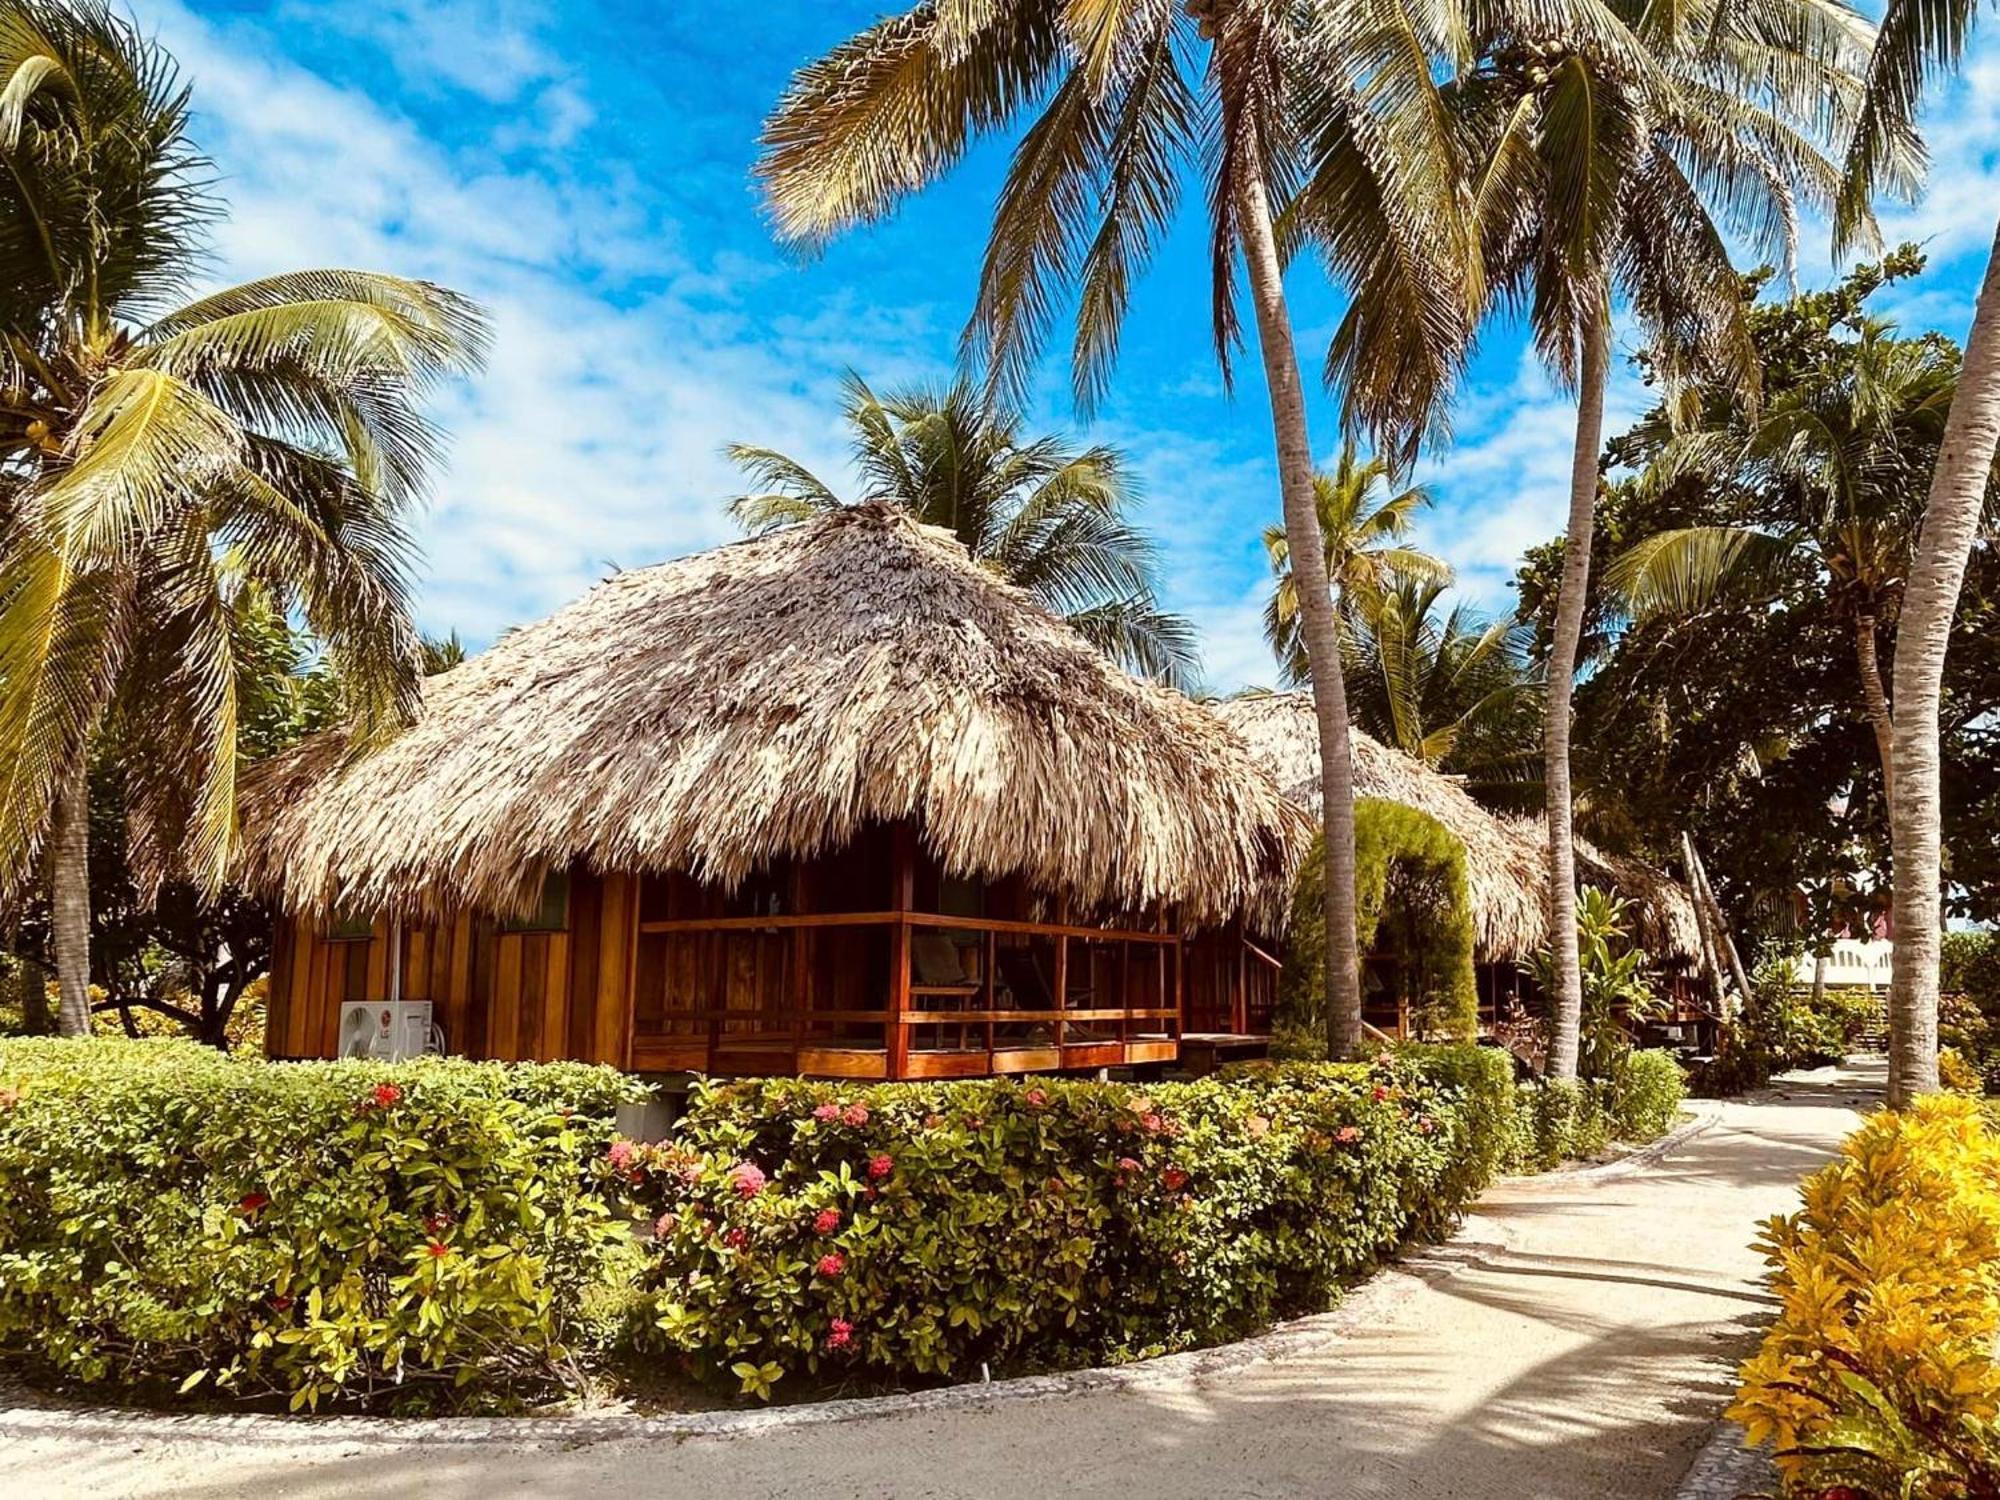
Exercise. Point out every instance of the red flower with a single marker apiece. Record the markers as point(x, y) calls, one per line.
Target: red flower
point(437, 1250)
point(747, 1178)
point(881, 1166)
point(252, 1202)
point(855, 1115)
point(439, 1221)
point(1347, 1135)
point(665, 1225)
point(832, 1264)
point(1152, 1123)
point(1127, 1164)
point(1173, 1179)
point(387, 1094)
point(281, 1303)
point(1381, 1093)
point(827, 1112)
point(737, 1238)
point(1036, 1098)
point(826, 1221)
point(839, 1334)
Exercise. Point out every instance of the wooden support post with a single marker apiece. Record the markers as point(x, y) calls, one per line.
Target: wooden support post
point(1062, 970)
point(801, 977)
point(904, 897)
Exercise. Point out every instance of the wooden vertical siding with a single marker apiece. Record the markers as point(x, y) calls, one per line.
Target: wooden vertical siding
point(509, 996)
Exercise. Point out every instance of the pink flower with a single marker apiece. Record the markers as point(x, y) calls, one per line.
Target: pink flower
point(252, 1202)
point(881, 1166)
point(737, 1238)
point(621, 1154)
point(1152, 1123)
point(827, 1112)
point(1426, 1125)
point(832, 1264)
point(1347, 1135)
point(1259, 1126)
point(855, 1115)
point(1385, 1059)
point(826, 1221)
point(387, 1094)
point(1036, 1098)
point(437, 1250)
point(665, 1225)
point(839, 1334)
point(747, 1178)
point(1173, 1179)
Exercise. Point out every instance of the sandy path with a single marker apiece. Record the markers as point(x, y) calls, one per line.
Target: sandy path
point(1580, 1349)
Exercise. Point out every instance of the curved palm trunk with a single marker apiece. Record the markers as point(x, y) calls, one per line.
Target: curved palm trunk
point(1876, 702)
point(1317, 623)
point(1566, 1004)
point(1951, 523)
point(69, 898)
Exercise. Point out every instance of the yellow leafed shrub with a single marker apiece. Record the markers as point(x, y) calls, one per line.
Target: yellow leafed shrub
point(1879, 1377)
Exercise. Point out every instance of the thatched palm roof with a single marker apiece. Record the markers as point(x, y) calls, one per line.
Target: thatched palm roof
point(772, 698)
point(1506, 868)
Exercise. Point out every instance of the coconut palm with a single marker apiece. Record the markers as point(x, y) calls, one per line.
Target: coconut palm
point(1603, 149)
point(1127, 100)
point(1834, 459)
point(156, 452)
point(1361, 528)
point(1041, 513)
point(1445, 686)
point(1918, 41)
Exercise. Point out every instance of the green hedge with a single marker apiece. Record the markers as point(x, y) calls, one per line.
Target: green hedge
point(807, 1227)
point(173, 1217)
point(377, 1234)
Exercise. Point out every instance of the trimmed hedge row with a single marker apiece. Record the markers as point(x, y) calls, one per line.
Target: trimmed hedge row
point(1878, 1378)
point(378, 1234)
point(171, 1217)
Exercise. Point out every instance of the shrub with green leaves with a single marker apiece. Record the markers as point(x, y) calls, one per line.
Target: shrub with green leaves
point(806, 1227)
point(173, 1218)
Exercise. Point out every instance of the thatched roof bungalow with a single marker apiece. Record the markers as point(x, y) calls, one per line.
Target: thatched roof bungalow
point(831, 800)
point(1506, 868)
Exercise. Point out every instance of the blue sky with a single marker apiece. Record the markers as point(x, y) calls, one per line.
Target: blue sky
point(583, 170)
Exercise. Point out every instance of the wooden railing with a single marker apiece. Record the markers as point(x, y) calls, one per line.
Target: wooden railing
point(902, 994)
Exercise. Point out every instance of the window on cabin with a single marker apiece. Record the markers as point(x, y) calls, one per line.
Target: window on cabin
point(346, 927)
point(551, 913)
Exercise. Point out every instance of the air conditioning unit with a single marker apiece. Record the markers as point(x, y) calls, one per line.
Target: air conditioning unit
point(388, 1030)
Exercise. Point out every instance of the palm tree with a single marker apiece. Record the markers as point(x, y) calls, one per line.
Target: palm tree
point(1835, 452)
point(1042, 514)
point(1917, 41)
point(1361, 533)
point(1127, 99)
point(155, 453)
point(1601, 153)
point(1447, 687)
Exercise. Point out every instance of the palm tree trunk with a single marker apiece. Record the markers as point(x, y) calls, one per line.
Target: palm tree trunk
point(1923, 631)
point(69, 898)
point(1317, 624)
point(1876, 701)
point(1566, 1004)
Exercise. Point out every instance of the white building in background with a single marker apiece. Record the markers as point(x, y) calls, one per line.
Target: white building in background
point(1854, 963)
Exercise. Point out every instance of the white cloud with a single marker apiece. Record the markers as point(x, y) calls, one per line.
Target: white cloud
point(594, 436)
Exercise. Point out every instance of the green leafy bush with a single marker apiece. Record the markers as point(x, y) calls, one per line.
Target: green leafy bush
point(1646, 1094)
point(1409, 868)
point(348, 1232)
point(1969, 965)
point(930, 1229)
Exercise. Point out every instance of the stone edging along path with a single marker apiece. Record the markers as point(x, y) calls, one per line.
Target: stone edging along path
point(1365, 1304)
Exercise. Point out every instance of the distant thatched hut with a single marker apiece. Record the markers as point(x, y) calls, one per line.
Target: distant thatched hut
point(834, 800)
point(1506, 864)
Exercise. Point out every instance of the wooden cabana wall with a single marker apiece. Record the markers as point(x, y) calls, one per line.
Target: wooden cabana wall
point(868, 963)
